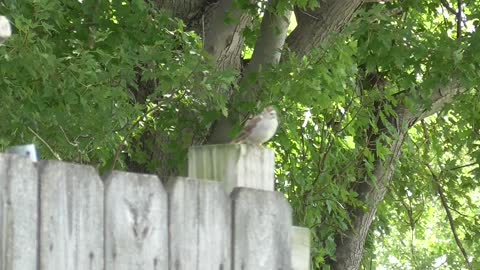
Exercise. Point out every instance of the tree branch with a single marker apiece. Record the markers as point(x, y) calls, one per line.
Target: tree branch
point(459, 19)
point(457, 13)
point(269, 44)
point(451, 222)
point(268, 47)
point(446, 5)
point(442, 96)
point(186, 9)
point(462, 166)
point(349, 251)
point(315, 26)
point(224, 41)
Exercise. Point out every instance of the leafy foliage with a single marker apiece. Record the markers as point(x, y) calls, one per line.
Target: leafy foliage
point(73, 79)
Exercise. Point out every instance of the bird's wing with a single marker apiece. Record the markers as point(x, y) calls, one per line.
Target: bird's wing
point(249, 125)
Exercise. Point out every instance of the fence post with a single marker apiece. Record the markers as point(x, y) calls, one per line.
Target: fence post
point(18, 213)
point(236, 165)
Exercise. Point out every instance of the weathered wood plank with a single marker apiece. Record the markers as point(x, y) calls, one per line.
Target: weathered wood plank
point(18, 213)
point(262, 225)
point(71, 217)
point(236, 165)
point(199, 225)
point(300, 248)
point(136, 236)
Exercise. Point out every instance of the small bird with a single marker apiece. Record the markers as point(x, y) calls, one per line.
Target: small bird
point(260, 128)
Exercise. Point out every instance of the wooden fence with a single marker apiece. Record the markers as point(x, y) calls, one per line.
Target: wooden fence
point(57, 215)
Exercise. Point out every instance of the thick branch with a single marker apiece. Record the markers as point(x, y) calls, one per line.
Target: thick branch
point(267, 52)
point(315, 26)
point(5, 29)
point(459, 19)
point(451, 222)
point(186, 10)
point(268, 47)
point(350, 247)
point(269, 44)
point(443, 95)
point(219, 23)
point(224, 40)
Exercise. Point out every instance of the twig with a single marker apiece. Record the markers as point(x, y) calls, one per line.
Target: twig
point(462, 166)
point(66, 138)
point(145, 114)
point(309, 15)
point(46, 144)
point(130, 131)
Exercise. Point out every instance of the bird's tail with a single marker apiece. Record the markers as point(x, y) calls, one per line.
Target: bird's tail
point(240, 138)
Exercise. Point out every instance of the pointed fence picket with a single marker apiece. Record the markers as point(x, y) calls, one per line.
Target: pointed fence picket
point(57, 215)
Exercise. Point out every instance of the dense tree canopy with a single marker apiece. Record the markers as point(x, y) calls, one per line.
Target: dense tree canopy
point(378, 149)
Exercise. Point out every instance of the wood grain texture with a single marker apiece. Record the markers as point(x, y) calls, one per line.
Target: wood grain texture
point(71, 217)
point(300, 248)
point(262, 225)
point(199, 225)
point(18, 213)
point(236, 165)
point(136, 236)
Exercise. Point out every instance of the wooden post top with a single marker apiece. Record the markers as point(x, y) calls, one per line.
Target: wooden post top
point(236, 165)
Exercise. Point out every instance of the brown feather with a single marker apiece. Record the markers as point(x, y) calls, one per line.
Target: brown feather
point(249, 125)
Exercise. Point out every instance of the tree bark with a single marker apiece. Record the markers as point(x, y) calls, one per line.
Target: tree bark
point(314, 27)
point(224, 41)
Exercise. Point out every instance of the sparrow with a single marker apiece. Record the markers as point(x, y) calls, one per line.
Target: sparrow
point(260, 128)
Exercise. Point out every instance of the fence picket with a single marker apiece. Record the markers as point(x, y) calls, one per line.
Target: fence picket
point(136, 236)
point(18, 213)
point(199, 225)
point(262, 227)
point(300, 248)
point(71, 217)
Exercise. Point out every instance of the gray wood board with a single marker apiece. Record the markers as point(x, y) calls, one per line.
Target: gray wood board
point(136, 236)
point(199, 225)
